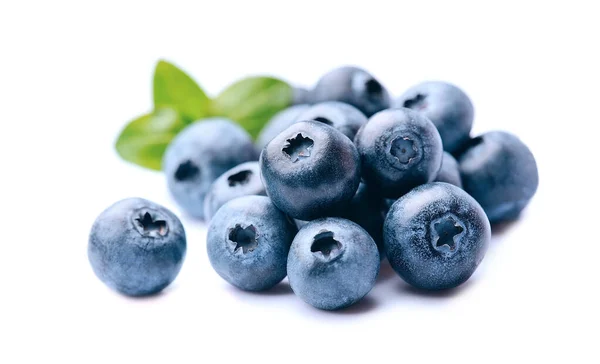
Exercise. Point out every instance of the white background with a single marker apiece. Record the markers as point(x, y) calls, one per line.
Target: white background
point(73, 73)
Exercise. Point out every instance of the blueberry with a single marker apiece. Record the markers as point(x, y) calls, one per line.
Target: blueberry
point(242, 180)
point(353, 86)
point(449, 172)
point(399, 149)
point(199, 154)
point(367, 210)
point(137, 247)
point(344, 117)
point(278, 123)
point(333, 263)
point(500, 172)
point(248, 243)
point(447, 106)
point(435, 236)
point(310, 170)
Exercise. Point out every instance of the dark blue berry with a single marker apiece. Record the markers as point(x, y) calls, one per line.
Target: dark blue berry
point(248, 242)
point(447, 106)
point(353, 86)
point(399, 150)
point(310, 170)
point(500, 172)
point(137, 247)
point(435, 236)
point(332, 263)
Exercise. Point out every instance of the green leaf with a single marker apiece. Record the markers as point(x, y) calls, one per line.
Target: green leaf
point(253, 101)
point(174, 88)
point(144, 140)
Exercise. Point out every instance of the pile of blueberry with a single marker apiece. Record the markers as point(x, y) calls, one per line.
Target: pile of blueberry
point(342, 180)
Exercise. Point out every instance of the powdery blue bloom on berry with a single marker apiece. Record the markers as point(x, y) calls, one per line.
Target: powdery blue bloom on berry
point(137, 247)
point(333, 263)
point(354, 86)
point(435, 236)
point(248, 243)
point(310, 170)
point(500, 172)
point(446, 105)
point(399, 150)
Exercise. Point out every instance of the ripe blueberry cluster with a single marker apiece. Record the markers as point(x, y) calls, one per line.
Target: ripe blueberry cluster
point(342, 180)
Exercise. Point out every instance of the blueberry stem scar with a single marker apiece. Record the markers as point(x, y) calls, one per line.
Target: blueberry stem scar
point(416, 103)
point(323, 120)
point(373, 87)
point(298, 147)
point(244, 238)
point(186, 171)
point(240, 178)
point(325, 245)
point(403, 149)
point(447, 231)
point(150, 226)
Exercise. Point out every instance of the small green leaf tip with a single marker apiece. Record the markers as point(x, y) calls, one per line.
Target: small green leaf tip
point(175, 89)
point(253, 101)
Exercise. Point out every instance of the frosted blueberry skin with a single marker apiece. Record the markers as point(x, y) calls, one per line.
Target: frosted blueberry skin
point(137, 247)
point(449, 172)
point(333, 263)
point(310, 170)
point(353, 86)
point(435, 236)
point(344, 117)
point(446, 105)
point(500, 172)
point(278, 123)
point(199, 154)
point(241, 180)
point(399, 150)
point(248, 243)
